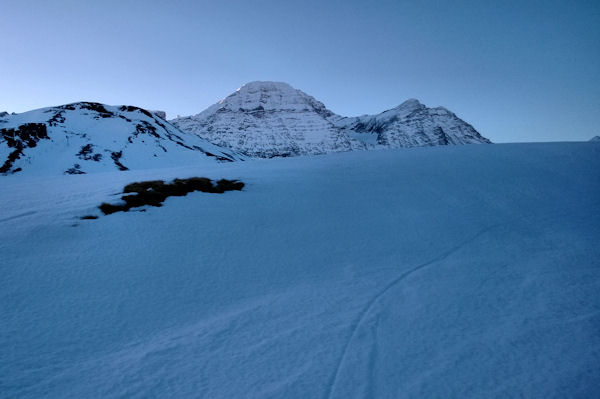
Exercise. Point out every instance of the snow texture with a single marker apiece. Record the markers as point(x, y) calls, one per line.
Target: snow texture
point(457, 271)
point(91, 137)
point(268, 119)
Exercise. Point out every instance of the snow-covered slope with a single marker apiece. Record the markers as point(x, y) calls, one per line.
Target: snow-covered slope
point(266, 119)
point(368, 274)
point(86, 137)
point(411, 124)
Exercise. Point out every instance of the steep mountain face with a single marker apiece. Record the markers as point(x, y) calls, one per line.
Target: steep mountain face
point(266, 119)
point(85, 137)
point(411, 124)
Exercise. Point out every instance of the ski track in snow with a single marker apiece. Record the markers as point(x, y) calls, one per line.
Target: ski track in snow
point(362, 316)
point(308, 283)
point(379, 295)
point(17, 216)
point(372, 375)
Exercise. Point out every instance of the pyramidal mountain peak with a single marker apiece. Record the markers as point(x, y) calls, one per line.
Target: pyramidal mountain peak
point(272, 96)
point(410, 103)
point(267, 119)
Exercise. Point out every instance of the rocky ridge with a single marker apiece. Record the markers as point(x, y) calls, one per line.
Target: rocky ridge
point(269, 119)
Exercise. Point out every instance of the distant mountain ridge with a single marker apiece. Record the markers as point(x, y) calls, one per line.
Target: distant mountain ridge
point(90, 137)
point(411, 124)
point(267, 119)
point(261, 119)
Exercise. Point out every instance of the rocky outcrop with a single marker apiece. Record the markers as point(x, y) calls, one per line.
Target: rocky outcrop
point(86, 137)
point(160, 114)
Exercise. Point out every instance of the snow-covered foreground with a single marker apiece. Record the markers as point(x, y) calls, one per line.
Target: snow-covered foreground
point(468, 271)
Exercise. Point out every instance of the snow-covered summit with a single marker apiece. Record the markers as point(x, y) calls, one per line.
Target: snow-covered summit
point(272, 96)
point(410, 104)
point(265, 119)
point(84, 137)
point(411, 124)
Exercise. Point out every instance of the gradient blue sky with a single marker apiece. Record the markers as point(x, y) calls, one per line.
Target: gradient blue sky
point(516, 70)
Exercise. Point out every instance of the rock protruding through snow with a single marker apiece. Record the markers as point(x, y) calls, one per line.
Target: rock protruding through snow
point(155, 192)
point(88, 137)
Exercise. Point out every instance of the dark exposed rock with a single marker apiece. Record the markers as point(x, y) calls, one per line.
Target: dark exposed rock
point(146, 128)
point(160, 114)
point(10, 160)
point(116, 156)
point(25, 136)
point(75, 170)
point(57, 118)
point(154, 192)
point(86, 153)
point(97, 107)
point(131, 108)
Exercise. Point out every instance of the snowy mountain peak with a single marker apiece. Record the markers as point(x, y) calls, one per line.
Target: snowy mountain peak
point(411, 103)
point(270, 96)
point(86, 137)
point(266, 119)
point(595, 139)
point(266, 86)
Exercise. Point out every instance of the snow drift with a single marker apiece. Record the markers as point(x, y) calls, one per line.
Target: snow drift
point(457, 271)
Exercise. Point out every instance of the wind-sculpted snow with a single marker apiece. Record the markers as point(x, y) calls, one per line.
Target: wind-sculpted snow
point(369, 274)
point(267, 119)
point(91, 137)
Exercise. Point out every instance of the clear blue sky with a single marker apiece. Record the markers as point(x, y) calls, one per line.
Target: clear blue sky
point(516, 70)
